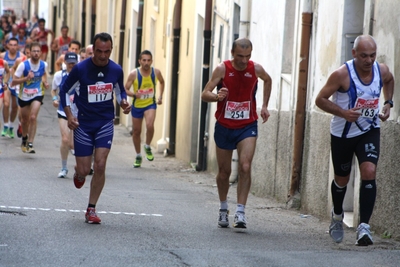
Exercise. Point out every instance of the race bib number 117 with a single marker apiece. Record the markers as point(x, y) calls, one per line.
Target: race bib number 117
point(100, 92)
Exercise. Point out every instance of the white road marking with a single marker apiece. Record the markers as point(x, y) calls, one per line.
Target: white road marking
point(74, 210)
point(65, 210)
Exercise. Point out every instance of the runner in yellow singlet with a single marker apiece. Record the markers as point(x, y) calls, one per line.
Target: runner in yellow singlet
point(144, 80)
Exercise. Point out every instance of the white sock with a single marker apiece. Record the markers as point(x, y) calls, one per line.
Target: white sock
point(337, 217)
point(240, 208)
point(223, 205)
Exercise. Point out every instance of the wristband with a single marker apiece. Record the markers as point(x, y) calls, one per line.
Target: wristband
point(55, 98)
point(390, 102)
point(217, 97)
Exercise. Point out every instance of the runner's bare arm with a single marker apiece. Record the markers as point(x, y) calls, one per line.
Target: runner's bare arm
point(14, 67)
point(6, 76)
point(34, 35)
point(338, 80)
point(388, 89)
point(18, 80)
point(59, 62)
point(263, 75)
point(160, 79)
point(52, 36)
point(54, 45)
point(44, 81)
point(8, 72)
point(129, 83)
point(217, 75)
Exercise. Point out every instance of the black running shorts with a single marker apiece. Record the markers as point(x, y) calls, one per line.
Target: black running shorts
point(365, 147)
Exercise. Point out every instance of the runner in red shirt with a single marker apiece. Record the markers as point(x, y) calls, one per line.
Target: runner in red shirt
point(40, 35)
point(236, 127)
point(61, 43)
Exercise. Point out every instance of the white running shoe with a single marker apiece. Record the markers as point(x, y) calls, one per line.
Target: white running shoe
point(336, 229)
point(63, 173)
point(364, 237)
point(223, 220)
point(240, 220)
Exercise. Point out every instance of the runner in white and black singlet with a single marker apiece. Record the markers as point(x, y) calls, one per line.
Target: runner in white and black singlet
point(355, 88)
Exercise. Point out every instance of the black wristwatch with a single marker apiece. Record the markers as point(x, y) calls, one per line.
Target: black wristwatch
point(390, 102)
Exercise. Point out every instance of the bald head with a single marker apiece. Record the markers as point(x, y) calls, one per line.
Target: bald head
point(243, 43)
point(89, 50)
point(364, 40)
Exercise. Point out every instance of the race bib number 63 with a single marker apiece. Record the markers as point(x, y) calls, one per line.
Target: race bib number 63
point(100, 92)
point(368, 107)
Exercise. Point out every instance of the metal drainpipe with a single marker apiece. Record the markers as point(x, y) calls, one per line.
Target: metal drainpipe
point(203, 138)
point(139, 30)
point(29, 15)
point(175, 76)
point(37, 8)
point(54, 26)
point(120, 54)
point(83, 26)
point(93, 24)
point(301, 105)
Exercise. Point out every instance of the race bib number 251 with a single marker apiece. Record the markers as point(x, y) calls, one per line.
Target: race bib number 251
point(100, 92)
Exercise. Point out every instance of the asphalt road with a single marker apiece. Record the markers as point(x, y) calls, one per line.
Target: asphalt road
point(163, 214)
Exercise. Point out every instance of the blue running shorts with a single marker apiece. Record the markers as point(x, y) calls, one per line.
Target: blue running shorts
point(14, 92)
point(138, 113)
point(226, 138)
point(93, 134)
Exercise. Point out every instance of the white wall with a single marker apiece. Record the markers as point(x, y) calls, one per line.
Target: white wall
point(327, 44)
point(43, 11)
point(266, 34)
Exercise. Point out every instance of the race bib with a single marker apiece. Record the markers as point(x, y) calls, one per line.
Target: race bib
point(64, 49)
point(368, 107)
point(30, 92)
point(237, 110)
point(100, 92)
point(145, 93)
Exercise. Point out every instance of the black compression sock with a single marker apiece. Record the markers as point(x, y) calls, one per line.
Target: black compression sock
point(338, 194)
point(367, 200)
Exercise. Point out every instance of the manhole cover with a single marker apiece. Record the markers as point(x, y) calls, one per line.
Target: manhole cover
point(7, 212)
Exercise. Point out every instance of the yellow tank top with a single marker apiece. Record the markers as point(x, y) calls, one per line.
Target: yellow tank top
point(144, 89)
